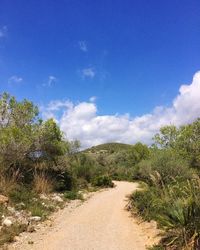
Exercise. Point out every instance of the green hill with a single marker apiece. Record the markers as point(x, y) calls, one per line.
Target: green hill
point(109, 148)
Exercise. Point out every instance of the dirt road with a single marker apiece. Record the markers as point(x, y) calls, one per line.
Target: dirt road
point(101, 223)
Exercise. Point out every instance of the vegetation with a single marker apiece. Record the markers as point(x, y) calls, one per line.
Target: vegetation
point(171, 195)
point(73, 195)
point(109, 148)
point(103, 181)
point(34, 155)
point(118, 160)
point(36, 159)
point(8, 234)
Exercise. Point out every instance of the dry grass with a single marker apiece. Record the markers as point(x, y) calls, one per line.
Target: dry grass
point(8, 183)
point(42, 183)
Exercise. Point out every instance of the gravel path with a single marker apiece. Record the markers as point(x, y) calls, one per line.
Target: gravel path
point(101, 223)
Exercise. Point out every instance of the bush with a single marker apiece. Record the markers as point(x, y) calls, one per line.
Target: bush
point(103, 181)
point(170, 166)
point(163, 168)
point(65, 180)
point(176, 208)
point(148, 203)
point(73, 195)
point(142, 171)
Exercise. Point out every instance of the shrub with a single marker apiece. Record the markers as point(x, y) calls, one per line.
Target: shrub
point(170, 166)
point(148, 203)
point(103, 181)
point(176, 208)
point(73, 195)
point(142, 171)
point(82, 183)
point(164, 167)
point(65, 180)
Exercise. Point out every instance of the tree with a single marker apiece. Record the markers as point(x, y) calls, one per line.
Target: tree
point(17, 120)
point(19, 114)
point(51, 141)
point(167, 137)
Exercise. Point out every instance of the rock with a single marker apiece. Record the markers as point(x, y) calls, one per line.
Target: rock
point(44, 197)
point(57, 198)
point(3, 199)
point(85, 196)
point(23, 220)
point(30, 229)
point(48, 223)
point(18, 214)
point(16, 238)
point(7, 222)
point(11, 210)
point(20, 205)
point(35, 218)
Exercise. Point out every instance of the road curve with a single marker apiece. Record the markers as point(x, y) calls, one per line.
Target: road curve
point(101, 223)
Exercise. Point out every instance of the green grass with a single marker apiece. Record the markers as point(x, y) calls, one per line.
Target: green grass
point(31, 202)
point(73, 195)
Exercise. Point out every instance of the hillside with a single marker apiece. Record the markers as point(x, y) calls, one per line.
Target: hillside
point(112, 147)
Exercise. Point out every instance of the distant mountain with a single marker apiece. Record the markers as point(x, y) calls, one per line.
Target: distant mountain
point(109, 148)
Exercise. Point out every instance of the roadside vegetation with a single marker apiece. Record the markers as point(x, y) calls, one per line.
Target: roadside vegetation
point(171, 194)
point(39, 168)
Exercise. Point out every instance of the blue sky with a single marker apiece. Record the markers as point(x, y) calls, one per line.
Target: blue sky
point(132, 55)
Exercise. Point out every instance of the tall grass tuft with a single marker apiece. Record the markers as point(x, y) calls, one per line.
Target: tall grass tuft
point(8, 182)
point(42, 183)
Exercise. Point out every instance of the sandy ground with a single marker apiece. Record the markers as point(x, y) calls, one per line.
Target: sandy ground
point(100, 223)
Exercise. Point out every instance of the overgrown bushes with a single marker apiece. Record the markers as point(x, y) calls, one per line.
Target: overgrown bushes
point(34, 153)
point(103, 181)
point(171, 195)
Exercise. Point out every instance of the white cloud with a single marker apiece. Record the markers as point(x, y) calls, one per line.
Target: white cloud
point(93, 98)
point(15, 79)
point(81, 121)
point(51, 81)
point(51, 110)
point(3, 31)
point(88, 72)
point(83, 46)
